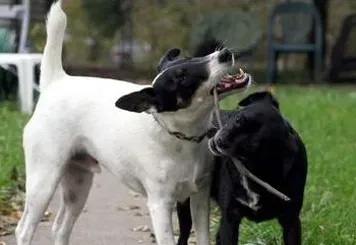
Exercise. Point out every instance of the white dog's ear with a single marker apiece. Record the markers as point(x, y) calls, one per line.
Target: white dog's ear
point(167, 57)
point(140, 101)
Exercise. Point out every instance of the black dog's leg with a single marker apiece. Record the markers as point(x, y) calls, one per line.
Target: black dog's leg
point(228, 233)
point(292, 230)
point(185, 221)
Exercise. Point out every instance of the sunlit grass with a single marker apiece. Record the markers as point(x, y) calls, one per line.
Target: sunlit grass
point(326, 120)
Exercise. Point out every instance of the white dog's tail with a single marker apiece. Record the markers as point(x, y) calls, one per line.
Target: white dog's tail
point(51, 65)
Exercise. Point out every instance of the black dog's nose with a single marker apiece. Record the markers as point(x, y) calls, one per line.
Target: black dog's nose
point(220, 143)
point(225, 56)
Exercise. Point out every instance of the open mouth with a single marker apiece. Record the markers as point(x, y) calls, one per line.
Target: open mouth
point(232, 82)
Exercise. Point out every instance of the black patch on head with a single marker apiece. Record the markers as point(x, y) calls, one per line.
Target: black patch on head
point(263, 96)
point(174, 88)
point(177, 85)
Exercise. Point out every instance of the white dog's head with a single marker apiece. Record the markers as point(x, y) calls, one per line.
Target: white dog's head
point(186, 83)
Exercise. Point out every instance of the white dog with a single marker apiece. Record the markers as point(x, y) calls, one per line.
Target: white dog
point(76, 130)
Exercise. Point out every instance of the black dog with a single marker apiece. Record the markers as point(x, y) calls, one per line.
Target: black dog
point(270, 148)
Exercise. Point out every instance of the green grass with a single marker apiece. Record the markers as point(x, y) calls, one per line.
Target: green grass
point(326, 120)
point(11, 156)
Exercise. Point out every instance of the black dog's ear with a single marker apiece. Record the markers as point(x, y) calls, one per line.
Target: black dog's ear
point(140, 101)
point(168, 56)
point(258, 96)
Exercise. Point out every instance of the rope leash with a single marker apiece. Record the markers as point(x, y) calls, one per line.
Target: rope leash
point(238, 164)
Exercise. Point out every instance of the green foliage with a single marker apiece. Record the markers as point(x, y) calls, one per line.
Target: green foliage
point(325, 119)
point(184, 23)
point(105, 16)
point(163, 26)
point(38, 37)
point(236, 29)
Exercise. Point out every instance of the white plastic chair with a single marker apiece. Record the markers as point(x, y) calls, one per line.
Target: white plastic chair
point(23, 61)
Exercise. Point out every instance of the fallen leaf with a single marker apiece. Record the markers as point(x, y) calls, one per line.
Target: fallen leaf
point(142, 228)
point(134, 194)
point(122, 209)
point(133, 207)
point(153, 237)
point(16, 214)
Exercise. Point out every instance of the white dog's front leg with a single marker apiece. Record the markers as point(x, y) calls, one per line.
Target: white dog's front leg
point(161, 216)
point(200, 208)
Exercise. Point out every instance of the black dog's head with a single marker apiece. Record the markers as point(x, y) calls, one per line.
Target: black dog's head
point(185, 84)
point(257, 128)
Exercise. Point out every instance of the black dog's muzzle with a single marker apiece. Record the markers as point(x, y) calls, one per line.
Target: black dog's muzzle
point(213, 148)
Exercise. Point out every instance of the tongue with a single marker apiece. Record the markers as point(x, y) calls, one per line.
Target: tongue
point(225, 84)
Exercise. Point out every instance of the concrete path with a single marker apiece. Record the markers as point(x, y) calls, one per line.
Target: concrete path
point(110, 216)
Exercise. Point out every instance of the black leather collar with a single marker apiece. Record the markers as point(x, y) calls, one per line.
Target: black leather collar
point(181, 136)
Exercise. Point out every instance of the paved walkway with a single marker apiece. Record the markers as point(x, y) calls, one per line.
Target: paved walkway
point(110, 217)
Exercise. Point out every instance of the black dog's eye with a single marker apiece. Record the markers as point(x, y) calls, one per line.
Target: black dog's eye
point(238, 120)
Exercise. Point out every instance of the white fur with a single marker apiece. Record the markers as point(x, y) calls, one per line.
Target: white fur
point(253, 197)
point(78, 114)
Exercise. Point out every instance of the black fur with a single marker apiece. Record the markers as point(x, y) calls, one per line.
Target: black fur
point(208, 46)
point(270, 148)
point(175, 86)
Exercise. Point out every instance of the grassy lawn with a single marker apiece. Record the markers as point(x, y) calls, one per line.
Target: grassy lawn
point(325, 119)
point(11, 156)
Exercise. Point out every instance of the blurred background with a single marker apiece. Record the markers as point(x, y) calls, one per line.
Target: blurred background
point(124, 38)
point(304, 51)
point(120, 38)
point(111, 38)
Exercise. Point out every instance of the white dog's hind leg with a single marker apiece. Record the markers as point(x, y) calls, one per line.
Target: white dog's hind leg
point(74, 190)
point(42, 178)
point(199, 203)
point(161, 215)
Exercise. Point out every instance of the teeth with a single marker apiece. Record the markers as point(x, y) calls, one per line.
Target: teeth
point(242, 72)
